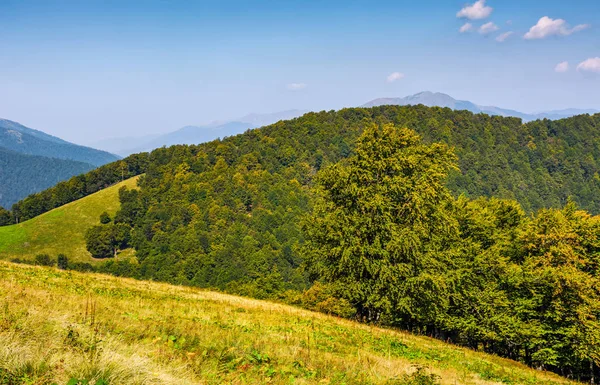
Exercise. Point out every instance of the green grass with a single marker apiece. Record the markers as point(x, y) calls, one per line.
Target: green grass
point(57, 326)
point(61, 230)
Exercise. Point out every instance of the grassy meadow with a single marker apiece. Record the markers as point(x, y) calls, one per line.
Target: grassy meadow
point(61, 230)
point(64, 327)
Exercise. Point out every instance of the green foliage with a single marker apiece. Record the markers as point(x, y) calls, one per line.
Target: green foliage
point(322, 298)
point(44, 260)
point(406, 238)
point(61, 230)
point(480, 272)
point(105, 218)
point(5, 217)
point(79, 186)
point(380, 226)
point(104, 241)
point(62, 262)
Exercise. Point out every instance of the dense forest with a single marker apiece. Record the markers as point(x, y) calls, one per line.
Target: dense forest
point(32, 161)
point(382, 207)
point(22, 175)
point(77, 187)
point(539, 164)
point(25, 140)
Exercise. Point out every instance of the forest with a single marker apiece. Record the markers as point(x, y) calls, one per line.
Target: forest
point(74, 188)
point(23, 174)
point(465, 227)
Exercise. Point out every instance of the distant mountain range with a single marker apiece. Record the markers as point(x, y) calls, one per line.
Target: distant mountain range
point(205, 133)
point(25, 140)
point(31, 161)
point(195, 134)
point(438, 99)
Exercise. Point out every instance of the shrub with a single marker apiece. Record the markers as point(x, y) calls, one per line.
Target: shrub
point(43, 260)
point(62, 262)
point(418, 377)
point(105, 218)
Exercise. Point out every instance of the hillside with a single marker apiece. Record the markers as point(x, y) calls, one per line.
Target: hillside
point(272, 210)
point(62, 229)
point(58, 326)
point(32, 161)
point(22, 175)
point(25, 140)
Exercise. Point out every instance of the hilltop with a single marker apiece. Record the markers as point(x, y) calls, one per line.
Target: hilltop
point(58, 326)
point(61, 230)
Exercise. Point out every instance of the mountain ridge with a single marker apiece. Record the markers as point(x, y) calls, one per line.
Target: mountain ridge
point(32, 161)
point(19, 138)
point(195, 134)
point(439, 99)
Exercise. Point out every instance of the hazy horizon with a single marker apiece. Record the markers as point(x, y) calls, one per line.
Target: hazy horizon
point(95, 70)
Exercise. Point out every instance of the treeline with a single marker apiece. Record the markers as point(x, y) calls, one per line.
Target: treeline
point(77, 187)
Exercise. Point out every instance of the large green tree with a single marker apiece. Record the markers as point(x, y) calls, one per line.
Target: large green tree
point(379, 228)
point(105, 240)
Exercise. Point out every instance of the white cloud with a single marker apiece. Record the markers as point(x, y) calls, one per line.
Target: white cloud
point(475, 11)
point(296, 86)
point(562, 67)
point(501, 38)
point(488, 28)
point(591, 64)
point(395, 76)
point(552, 27)
point(467, 27)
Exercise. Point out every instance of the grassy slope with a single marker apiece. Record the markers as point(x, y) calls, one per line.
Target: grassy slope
point(152, 333)
point(62, 229)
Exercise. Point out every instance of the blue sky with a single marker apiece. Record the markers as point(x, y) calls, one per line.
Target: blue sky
point(86, 70)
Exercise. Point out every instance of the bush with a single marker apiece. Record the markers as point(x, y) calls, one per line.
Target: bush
point(62, 262)
point(43, 260)
point(418, 377)
point(105, 218)
point(322, 298)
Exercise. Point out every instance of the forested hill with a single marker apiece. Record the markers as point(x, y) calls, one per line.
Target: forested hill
point(32, 161)
point(379, 227)
point(540, 164)
point(22, 175)
point(25, 140)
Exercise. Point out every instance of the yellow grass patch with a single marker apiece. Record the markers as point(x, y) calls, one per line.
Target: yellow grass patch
point(57, 325)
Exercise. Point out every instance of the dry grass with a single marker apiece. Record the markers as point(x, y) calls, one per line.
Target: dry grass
point(61, 230)
point(55, 326)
